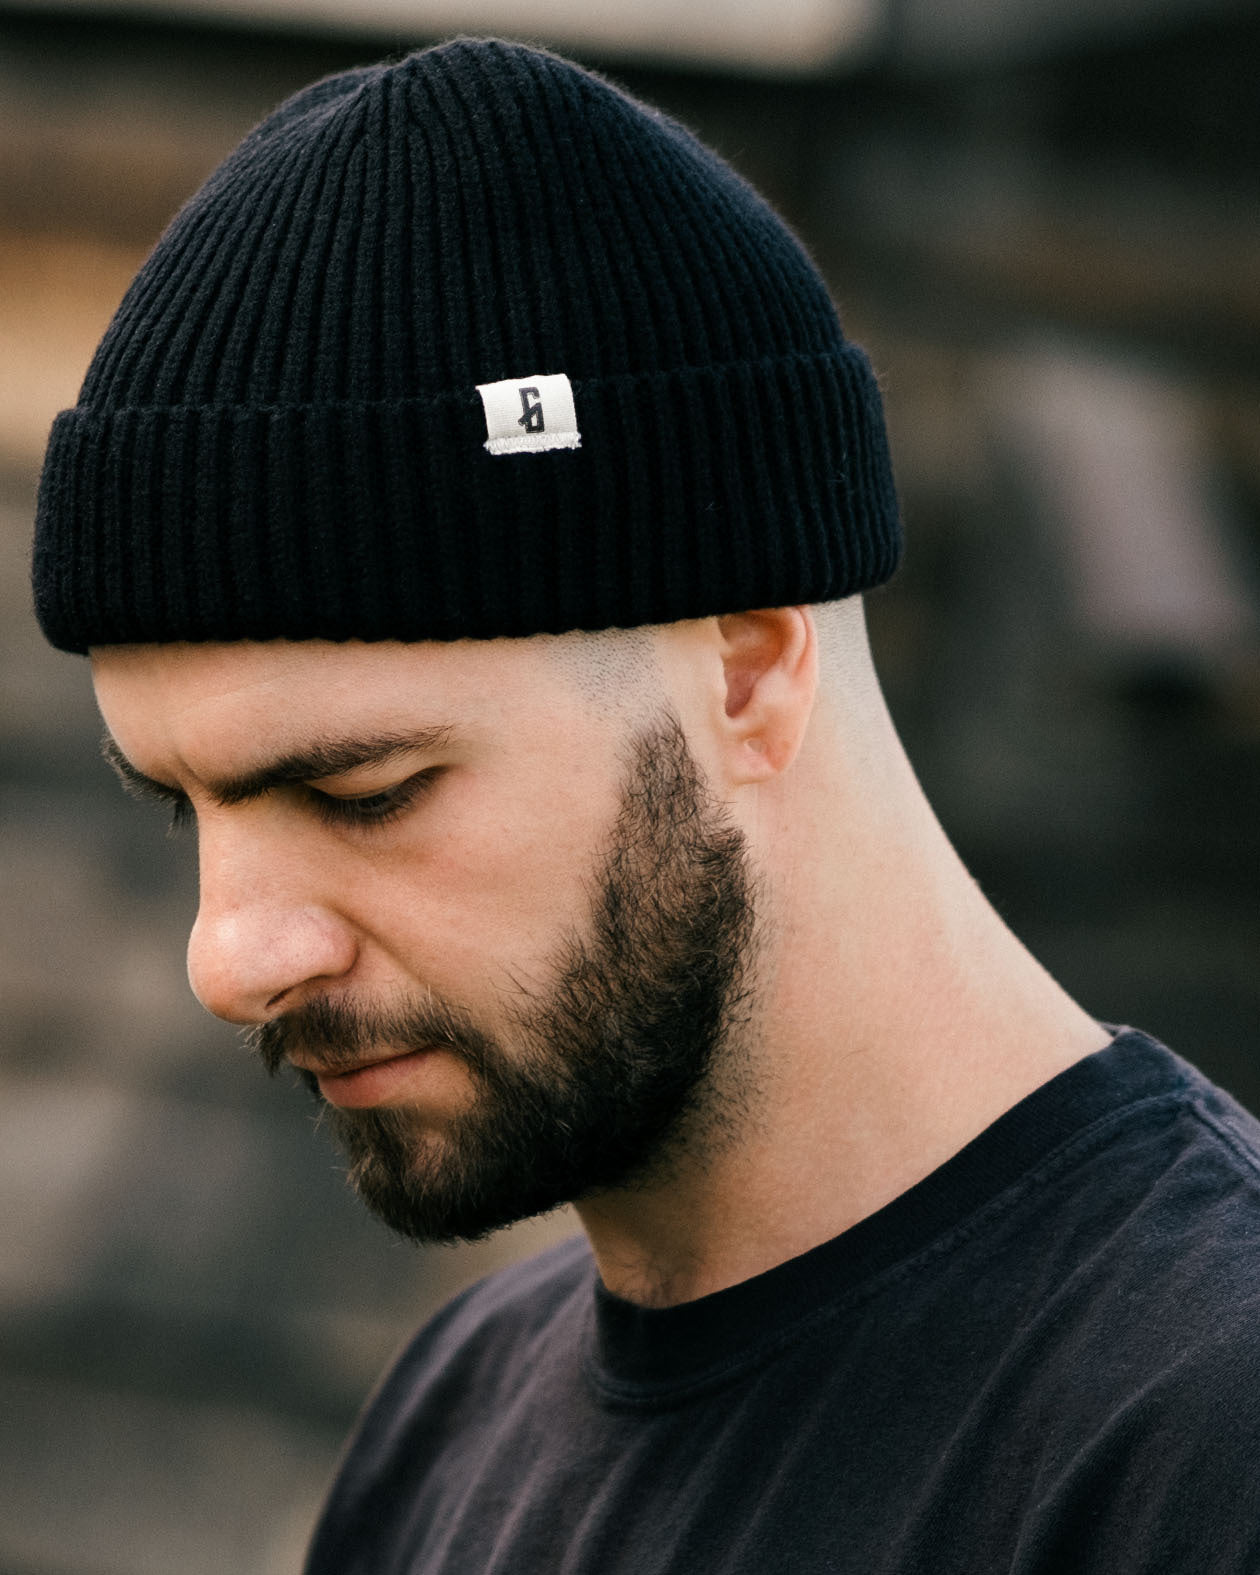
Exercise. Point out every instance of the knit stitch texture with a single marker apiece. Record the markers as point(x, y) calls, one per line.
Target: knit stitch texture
point(281, 435)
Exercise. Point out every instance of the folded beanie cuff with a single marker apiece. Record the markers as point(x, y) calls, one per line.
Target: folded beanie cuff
point(389, 519)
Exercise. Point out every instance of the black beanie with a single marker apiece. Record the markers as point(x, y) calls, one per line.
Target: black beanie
point(472, 344)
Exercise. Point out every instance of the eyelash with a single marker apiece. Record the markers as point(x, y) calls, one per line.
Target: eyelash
point(372, 809)
point(182, 816)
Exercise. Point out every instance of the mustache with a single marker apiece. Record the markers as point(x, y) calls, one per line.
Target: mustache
point(341, 1035)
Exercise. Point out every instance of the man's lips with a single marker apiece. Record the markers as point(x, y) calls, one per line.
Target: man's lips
point(378, 1082)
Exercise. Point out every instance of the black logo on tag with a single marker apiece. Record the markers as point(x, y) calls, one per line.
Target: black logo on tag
point(532, 420)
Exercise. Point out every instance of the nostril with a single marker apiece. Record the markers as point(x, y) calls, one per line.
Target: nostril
point(250, 961)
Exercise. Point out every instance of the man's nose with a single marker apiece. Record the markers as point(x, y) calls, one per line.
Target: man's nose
point(258, 939)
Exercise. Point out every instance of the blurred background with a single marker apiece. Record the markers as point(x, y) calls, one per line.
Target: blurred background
point(1043, 219)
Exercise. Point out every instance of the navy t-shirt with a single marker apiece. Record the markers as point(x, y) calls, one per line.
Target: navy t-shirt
point(1042, 1359)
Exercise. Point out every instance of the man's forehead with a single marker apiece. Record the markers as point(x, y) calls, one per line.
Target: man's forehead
point(222, 706)
point(218, 700)
point(307, 666)
point(596, 665)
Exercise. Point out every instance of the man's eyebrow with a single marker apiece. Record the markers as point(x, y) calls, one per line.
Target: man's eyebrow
point(322, 757)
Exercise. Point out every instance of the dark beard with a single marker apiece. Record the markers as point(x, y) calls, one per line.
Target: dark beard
point(613, 1075)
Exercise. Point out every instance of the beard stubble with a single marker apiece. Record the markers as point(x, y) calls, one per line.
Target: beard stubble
point(626, 1064)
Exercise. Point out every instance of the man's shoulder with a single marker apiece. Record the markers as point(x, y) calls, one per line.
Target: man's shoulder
point(1154, 1227)
point(1155, 1166)
point(1198, 1217)
point(1138, 1369)
point(1150, 1455)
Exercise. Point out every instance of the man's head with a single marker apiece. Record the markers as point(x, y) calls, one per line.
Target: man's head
point(495, 899)
point(453, 360)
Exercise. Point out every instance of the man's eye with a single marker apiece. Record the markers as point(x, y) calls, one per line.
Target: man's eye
point(373, 809)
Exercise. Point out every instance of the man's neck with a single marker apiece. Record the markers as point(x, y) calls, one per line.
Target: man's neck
point(899, 1019)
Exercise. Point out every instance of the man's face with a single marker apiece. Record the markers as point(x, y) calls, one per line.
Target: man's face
point(499, 927)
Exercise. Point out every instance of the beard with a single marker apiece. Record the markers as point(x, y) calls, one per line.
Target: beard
point(624, 1066)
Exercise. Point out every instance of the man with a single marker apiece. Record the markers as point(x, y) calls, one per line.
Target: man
point(467, 514)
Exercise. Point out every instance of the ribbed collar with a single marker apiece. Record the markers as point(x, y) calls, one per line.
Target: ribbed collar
point(638, 1354)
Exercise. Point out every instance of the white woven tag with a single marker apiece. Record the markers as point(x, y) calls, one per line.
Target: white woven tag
point(526, 415)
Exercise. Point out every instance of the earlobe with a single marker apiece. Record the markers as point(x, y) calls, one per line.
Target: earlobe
point(770, 665)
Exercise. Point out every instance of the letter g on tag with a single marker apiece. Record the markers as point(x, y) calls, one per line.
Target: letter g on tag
point(528, 415)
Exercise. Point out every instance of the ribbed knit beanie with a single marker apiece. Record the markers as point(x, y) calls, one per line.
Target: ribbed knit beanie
point(471, 344)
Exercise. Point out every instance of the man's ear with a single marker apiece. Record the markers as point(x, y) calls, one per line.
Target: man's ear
point(770, 665)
